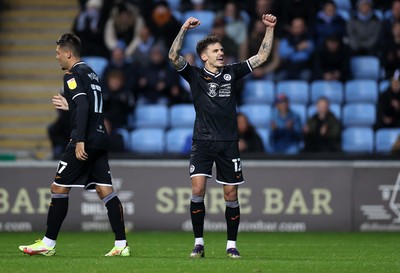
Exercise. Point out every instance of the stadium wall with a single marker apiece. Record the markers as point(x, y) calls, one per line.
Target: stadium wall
point(278, 196)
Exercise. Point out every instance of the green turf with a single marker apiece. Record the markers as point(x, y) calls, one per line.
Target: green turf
point(168, 252)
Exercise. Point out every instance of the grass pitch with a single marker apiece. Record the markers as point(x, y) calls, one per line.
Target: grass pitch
point(168, 252)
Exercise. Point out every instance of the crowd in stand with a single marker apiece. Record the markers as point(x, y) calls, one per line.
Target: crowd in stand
point(127, 42)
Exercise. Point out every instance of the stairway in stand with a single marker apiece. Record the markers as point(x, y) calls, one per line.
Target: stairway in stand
point(30, 74)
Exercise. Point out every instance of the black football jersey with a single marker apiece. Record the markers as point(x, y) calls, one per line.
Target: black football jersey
point(215, 100)
point(81, 80)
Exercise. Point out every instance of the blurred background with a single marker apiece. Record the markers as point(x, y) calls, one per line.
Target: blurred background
point(330, 88)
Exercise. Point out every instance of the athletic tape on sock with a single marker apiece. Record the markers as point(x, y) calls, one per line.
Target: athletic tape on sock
point(232, 204)
point(109, 197)
point(197, 199)
point(59, 195)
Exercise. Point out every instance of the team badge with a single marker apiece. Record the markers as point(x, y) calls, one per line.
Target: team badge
point(227, 77)
point(191, 168)
point(212, 89)
point(71, 83)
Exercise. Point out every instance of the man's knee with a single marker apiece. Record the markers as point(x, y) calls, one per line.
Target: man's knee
point(58, 189)
point(230, 193)
point(103, 191)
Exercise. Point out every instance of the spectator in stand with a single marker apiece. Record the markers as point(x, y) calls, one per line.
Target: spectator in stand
point(249, 140)
point(120, 62)
point(267, 70)
point(235, 27)
point(388, 21)
point(388, 114)
point(322, 133)
point(87, 26)
point(288, 10)
point(363, 29)
point(285, 128)
point(328, 23)
point(146, 42)
point(332, 60)
point(231, 49)
point(162, 23)
point(257, 9)
point(295, 52)
point(391, 50)
point(118, 100)
point(123, 25)
point(158, 82)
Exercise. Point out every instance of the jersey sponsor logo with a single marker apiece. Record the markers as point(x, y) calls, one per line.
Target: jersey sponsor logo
point(192, 168)
point(225, 90)
point(93, 76)
point(71, 84)
point(212, 89)
point(227, 77)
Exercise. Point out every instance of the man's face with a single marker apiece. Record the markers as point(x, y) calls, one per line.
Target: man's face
point(62, 56)
point(214, 55)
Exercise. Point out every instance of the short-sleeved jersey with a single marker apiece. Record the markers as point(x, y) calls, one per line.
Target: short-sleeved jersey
point(215, 100)
point(81, 80)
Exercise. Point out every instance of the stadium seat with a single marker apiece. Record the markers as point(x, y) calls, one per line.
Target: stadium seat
point(384, 85)
point(264, 135)
point(258, 91)
point(259, 115)
point(301, 110)
point(190, 42)
point(336, 109)
point(361, 91)
point(206, 18)
point(295, 90)
point(359, 114)
point(343, 4)
point(333, 90)
point(174, 4)
point(358, 140)
point(147, 141)
point(182, 116)
point(365, 67)
point(176, 139)
point(385, 138)
point(98, 64)
point(126, 138)
point(151, 116)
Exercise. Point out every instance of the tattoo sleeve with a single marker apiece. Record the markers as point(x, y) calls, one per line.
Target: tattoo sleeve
point(177, 60)
point(264, 50)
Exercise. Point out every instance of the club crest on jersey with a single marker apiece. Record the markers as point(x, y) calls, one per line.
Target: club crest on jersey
point(192, 168)
point(212, 89)
point(71, 84)
point(227, 77)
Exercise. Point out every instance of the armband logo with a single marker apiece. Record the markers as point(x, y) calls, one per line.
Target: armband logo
point(71, 83)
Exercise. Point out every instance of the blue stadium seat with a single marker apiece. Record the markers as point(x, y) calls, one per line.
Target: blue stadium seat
point(333, 90)
point(98, 64)
point(174, 4)
point(343, 4)
point(151, 116)
point(258, 91)
point(295, 90)
point(264, 135)
point(301, 110)
point(365, 67)
point(336, 109)
point(259, 115)
point(361, 91)
point(383, 86)
point(182, 115)
point(147, 141)
point(176, 140)
point(385, 138)
point(126, 137)
point(358, 140)
point(190, 42)
point(359, 114)
point(206, 18)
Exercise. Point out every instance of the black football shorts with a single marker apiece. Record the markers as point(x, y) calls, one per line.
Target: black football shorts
point(226, 156)
point(72, 172)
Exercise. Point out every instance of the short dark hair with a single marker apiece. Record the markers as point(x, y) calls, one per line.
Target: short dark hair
point(72, 42)
point(204, 43)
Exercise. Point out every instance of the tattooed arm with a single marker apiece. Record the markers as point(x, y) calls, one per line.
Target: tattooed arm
point(266, 45)
point(177, 60)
